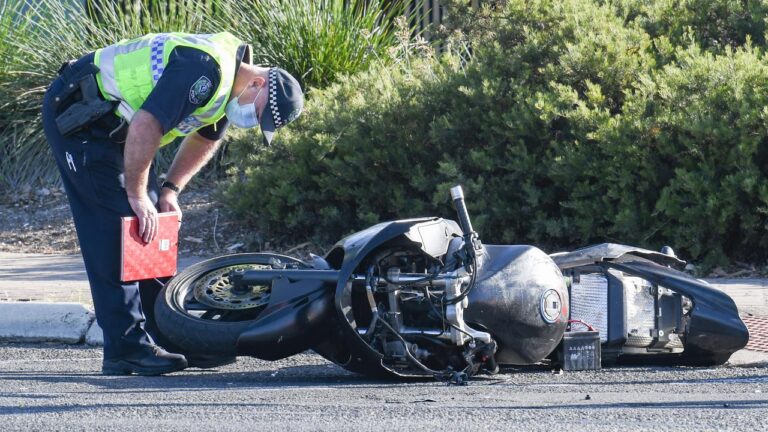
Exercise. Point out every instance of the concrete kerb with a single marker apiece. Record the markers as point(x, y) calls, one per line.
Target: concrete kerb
point(69, 323)
point(44, 322)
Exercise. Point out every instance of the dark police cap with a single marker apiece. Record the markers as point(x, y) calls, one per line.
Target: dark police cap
point(285, 100)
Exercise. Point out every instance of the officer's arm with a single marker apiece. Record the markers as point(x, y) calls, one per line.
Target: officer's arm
point(194, 152)
point(143, 140)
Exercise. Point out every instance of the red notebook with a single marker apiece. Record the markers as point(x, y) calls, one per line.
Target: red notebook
point(149, 260)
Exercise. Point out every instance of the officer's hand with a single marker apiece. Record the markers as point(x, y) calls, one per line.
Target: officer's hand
point(169, 202)
point(147, 215)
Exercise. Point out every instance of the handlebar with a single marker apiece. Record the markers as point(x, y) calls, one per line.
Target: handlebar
point(457, 194)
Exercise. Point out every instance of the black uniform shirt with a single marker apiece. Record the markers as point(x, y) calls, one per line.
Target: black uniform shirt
point(189, 81)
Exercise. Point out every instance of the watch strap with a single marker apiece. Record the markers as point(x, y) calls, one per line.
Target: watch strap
point(171, 186)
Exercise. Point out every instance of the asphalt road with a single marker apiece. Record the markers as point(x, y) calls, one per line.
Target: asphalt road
point(57, 387)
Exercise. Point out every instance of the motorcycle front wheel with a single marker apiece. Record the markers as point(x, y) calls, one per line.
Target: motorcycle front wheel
point(200, 312)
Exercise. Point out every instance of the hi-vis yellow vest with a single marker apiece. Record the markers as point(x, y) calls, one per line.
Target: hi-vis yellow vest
point(130, 69)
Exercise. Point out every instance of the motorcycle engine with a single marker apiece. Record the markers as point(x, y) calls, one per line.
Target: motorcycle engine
point(410, 306)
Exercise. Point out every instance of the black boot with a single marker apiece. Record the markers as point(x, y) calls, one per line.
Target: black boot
point(150, 360)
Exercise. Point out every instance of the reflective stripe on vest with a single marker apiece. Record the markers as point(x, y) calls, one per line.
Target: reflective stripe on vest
point(130, 69)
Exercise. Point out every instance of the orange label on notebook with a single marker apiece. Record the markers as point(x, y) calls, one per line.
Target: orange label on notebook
point(155, 259)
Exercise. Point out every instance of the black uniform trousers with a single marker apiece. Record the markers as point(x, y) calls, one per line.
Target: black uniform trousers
point(91, 167)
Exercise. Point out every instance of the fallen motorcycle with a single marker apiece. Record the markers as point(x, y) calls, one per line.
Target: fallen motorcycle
point(424, 297)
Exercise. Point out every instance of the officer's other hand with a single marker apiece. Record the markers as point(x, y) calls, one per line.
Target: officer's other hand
point(169, 202)
point(147, 215)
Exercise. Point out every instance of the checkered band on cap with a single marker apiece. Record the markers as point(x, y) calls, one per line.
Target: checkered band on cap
point(273, 98)
point(156, 56)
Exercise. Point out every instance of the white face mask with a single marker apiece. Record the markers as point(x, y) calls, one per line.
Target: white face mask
point(242, 116)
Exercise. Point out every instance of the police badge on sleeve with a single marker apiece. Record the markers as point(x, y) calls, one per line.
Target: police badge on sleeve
point(200, 90)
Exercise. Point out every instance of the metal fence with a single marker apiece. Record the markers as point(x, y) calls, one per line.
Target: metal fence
point(429, 12)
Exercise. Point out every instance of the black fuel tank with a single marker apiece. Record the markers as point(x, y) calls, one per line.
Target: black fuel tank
point(522, 300)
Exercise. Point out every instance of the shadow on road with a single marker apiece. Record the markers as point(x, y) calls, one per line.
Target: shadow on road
point(201, 380)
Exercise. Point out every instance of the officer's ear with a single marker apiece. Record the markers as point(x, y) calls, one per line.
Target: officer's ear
point(259, 82)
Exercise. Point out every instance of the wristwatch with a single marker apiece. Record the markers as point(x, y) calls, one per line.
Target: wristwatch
point(171, 186)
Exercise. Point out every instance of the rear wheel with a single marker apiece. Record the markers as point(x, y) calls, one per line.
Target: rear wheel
point(200, 312)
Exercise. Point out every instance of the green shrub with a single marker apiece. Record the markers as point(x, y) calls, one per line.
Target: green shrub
point(711, 24)
point(704, 141)
point(562, 128)
point(389, 143)
point(680, 165)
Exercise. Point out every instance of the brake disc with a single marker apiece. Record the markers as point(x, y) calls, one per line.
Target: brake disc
point(214, 289)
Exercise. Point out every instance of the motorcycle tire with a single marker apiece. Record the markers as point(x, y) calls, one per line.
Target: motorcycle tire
point(195, 334)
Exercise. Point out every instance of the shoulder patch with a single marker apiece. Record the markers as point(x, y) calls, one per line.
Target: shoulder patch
point(200, 90)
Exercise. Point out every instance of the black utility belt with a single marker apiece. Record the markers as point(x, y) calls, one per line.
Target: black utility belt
point(79, 104)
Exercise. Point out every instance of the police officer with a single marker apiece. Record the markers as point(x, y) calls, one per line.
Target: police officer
point(106, 115)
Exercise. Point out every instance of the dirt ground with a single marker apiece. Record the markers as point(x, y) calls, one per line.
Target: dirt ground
point(40, 221)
